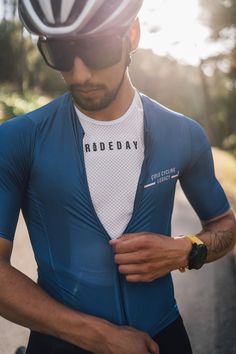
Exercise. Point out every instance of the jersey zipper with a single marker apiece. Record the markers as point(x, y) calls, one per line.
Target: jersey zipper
point(138, 198)
point(80, 137)
point(137, 201)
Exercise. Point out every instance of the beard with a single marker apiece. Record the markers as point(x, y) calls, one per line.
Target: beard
point(93, 104)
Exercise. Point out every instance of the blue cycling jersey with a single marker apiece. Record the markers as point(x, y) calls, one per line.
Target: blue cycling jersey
point(42, 172)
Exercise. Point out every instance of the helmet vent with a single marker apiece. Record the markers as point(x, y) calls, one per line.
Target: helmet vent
point(46, 7)
point(58, 12)
point(102, 14)
point(66, 7)
point(56, 9)
point(65, 18)
point(76, 8)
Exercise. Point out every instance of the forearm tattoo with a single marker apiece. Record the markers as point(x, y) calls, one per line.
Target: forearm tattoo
point(220, 241)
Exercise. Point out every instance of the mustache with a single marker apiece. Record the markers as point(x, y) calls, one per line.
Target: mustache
point(86, 87)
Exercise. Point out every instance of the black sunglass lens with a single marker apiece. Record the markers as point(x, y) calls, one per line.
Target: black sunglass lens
point(99, 54)
point(96, 53)
point(57, 54)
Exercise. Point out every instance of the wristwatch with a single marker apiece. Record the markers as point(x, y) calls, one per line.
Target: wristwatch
point(197, 255)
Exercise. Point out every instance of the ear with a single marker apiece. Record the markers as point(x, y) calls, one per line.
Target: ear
point(134, 35)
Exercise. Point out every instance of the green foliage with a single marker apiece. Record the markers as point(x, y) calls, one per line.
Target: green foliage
point(21, 63)
point(10, 44)
point(13, 104)
point(209, 98)
point(220, 17)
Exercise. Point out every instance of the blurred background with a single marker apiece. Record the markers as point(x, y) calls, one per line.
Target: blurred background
point(187, 62)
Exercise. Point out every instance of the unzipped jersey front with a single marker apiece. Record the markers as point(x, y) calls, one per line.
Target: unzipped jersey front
point(42, 172)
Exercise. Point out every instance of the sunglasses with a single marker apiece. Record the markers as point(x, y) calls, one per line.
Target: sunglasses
point(96, 53)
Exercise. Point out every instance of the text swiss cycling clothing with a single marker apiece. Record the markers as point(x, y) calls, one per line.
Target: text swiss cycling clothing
point(42, 172)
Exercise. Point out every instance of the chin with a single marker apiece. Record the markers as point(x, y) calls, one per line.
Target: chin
point(93, 105)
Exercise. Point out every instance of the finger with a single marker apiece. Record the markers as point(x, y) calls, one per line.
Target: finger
point(137, 278)
point(133, 269)
point(134, 234)
point(139, 257)
point(125, 245)
point(127, 236)
point(124, 237)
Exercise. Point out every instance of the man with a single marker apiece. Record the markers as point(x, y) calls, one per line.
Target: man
point(94, 173)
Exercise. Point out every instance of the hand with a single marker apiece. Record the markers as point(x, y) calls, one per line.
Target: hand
point(123, 339)
point(99, 336)
point(145, 256)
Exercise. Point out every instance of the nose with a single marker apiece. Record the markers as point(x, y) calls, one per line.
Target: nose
point(80, 72)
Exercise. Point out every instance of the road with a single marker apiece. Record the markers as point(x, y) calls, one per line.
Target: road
point(206, 298)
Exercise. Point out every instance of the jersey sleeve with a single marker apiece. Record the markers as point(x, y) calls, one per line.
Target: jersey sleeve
point(15, 159)
point(198, 180)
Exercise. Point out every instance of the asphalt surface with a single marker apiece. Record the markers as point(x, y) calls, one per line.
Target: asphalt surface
point(206, 298)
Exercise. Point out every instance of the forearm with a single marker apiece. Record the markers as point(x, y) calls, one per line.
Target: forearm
point(219, 236)
point(145, 256)
point(23, 302)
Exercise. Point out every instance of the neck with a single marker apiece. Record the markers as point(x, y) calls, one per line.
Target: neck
point(118, 107)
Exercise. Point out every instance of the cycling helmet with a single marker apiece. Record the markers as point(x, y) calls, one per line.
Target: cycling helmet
point(77, 18)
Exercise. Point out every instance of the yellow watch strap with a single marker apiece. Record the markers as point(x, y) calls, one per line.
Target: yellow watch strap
point(193, 239)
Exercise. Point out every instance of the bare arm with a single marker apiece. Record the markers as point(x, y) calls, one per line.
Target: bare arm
point(219, 235)
point(147, 256)
point(23, 302)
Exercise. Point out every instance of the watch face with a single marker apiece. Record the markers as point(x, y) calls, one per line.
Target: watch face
point(197, 256)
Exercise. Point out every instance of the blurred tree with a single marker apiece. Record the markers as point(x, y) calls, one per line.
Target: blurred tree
point(206, 93)
point(220, 17)
point(164, 79)
point(9, 9)
point(10, 44)
point(4, 9)
point(21, 64)
point(20, 61)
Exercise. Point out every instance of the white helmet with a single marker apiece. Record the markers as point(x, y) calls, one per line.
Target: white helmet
point(77, 18)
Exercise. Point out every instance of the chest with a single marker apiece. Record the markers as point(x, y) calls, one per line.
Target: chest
point(59, 177)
